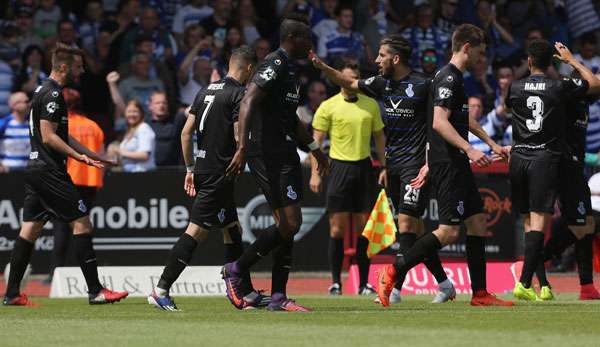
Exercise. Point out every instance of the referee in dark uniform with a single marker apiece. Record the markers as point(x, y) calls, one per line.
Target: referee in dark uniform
point(49, 190)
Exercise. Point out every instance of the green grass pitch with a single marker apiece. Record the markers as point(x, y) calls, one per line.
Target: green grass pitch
point(339, 321)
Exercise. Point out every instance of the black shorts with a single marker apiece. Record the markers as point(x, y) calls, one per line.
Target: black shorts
point(574, 192)
point(214, 205)
point(406, 199)
point(454, 186)
point(279, 178)
point(534, 184)
point(50, 193)
point(351, 186)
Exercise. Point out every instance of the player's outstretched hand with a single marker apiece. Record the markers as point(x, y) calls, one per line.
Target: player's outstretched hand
point(419, 181)
point(564, 54)
point(383, 178)
point(500, 153)
point(322, 162)
point(316, 183)
point(91, 162)
point(237, 164)
point(316, 61)
point(188, 184)
point(478, 157)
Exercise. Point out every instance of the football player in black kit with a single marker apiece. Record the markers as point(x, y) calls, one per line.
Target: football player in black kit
point(269, 131)
point(213, 116)
point(538, 105)
point(404, 97)
point(450, 173)
point(49, 191)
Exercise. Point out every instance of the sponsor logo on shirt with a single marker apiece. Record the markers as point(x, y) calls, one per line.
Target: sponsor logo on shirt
point(215, 86)
point(369, 80)
point(268, 74)
point(51, 107)
point(444, 92)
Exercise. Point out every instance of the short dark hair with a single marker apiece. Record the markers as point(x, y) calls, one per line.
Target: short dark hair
point(341, 7)
point(294, 24)
point(64, 21)
point(63, 54)
point(244, 54)
point(345, 63)
point(467, 33)
point(540, 52)
point(589, 39)
point(399, 45)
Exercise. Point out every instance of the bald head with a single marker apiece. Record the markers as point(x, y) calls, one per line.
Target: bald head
point(19, 104)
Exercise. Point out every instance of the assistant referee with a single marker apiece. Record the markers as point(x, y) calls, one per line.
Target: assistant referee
point(350, 120)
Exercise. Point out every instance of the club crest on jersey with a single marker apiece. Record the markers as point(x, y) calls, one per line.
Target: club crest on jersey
point(82, 207)
point(369, 80)
point(444, 92)
point(221, 215)
point(51, 107)
point(581, 208)
point(268, 74)
point(277, 61)
point(460, 208)
point(577, 81)
point(291, 193)
point(55, 94)
point(409, 91)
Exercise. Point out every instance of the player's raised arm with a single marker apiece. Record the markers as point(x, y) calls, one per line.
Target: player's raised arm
point(565, 55)
point(334, 75)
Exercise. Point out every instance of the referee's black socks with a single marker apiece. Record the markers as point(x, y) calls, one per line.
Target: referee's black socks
point(423, 248)
point(534, 247)
point(179, 258)
point(18, 263)
point(475, 247)
point(336, 259)
point(266, 242)
point(84, 250)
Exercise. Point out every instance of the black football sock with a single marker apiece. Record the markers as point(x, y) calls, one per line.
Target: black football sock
point(434, 265)
point(62, 235)
point(19, 259)
point(84, 250)
point(362, 260)
point(406, 240)
point(534, 244)
point(560, 239)
point(424, 247)
point(233, 250)
point(266, 242)
point(336, 258)
point(476, 261)
point(584, 254)
point(178, 259)
point(282, 264)
point(540, 273)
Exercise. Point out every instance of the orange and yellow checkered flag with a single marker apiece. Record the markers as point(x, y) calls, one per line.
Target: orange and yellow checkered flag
point(381, 228)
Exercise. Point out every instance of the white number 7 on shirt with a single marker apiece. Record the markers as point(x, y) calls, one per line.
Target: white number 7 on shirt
point(208, 100)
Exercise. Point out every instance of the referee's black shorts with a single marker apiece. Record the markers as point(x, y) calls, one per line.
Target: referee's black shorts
point(50, 193)
point(279, 178)
point(214, 206)
point(406, 199)
point(574, 192)
point(454, 186)
point(351, 186)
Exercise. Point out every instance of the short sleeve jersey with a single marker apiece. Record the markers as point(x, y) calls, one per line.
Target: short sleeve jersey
point(538, 109)
point(48, 104)
point(404, 106)
point(447, 90)
point(579, 111)
point(273, 127)
point(216, 109)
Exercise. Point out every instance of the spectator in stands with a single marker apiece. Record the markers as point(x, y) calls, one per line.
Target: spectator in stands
point(46, 18)
point(6, 85)
point(24, 21)
point(582, 17)
point(476, 112)
point(191, 14)
point(248, 21)
point(66, 33)
point(140, 85)
point(189, 86)
point(587, 55)
point(165, 47)
point(429, 62)
point(136, 151)
point(14, 135)
point(217, 24)
point(32, 72)
point(481, 82)
point(425, 35)
point(554, 22)
point(87, 179)
point(317, 92)
point(89, 29)
point(342, 42)
point(9, 46)
point(322, 19)
point(519, 59)
point(446, 21)
point(194, 39)
point(234, 39)
point(262, 47)
point(496, 35)
point(167, 129)
point(377, 24)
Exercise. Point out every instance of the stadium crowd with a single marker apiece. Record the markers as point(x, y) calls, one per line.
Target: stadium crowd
point(152, 57)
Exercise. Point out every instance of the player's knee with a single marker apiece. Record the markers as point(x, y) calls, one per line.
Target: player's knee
point(336, 232)
point(406, 223)
point(447, 234)
point(30, 231)
point(81, 226)
point(196, 232)
point(289, 227)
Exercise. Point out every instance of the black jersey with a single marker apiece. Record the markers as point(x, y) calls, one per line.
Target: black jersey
point(538, 106)
point(448, 90)
point(48, 104)
point(216, 109)
point(577, 120)
point(273, 128)
point(405, 106)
